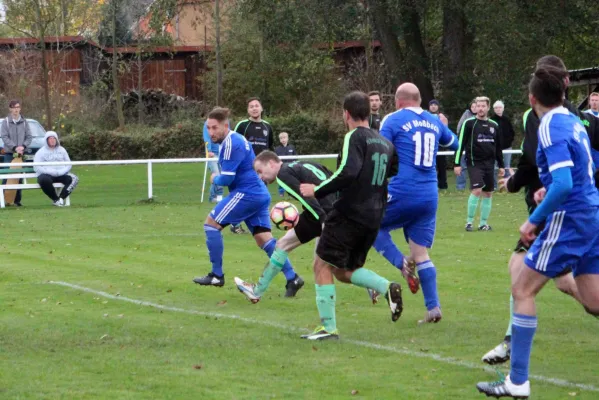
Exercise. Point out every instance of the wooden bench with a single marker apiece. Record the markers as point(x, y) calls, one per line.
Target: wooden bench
point(24, 173)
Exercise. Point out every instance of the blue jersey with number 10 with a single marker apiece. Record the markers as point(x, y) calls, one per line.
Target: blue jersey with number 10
point(416, 135)
point(564, 143)
point(236, 159)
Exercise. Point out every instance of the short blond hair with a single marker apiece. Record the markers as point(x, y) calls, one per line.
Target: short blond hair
point(593, 94)
point(483, 98)
point(283, 133)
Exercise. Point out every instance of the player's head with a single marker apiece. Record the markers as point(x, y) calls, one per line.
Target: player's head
point(284, 138)
point(14, 106)
point(254, 108)
point(473, 106)
point(547, 89)
point(483, 104)
point(594, 101)
point(267, 165)
point(356, 107)
point(218, 124)
point(407, 95)
point(375, 101)
point(498, 108)
point(433, 106)
point(551, 61)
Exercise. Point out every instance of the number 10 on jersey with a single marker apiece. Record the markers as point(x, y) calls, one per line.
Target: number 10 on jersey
point(427, 156)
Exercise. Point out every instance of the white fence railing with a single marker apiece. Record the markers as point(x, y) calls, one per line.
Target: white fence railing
point(151, 162)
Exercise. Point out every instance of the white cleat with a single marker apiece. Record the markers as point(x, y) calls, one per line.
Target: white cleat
point(247, 289)
point(505, 388)
point(499, 354)
point(431, 316)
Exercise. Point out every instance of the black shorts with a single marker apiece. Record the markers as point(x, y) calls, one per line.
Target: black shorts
point(482, 177)
point(523, 248)
point(307, 228)
point(345, 243)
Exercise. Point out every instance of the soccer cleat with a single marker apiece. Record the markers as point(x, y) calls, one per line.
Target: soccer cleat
point(210, 280)
point(293, 286)
point(374, 295)
point(499, 354)
point(468, 227)
point(409, 272)
point(238, 230)
point(58, 203)
point(321, 334)
point(485, 228)
point(394, 300)
point(247, 289)
point(504, 388)
point(433, 315)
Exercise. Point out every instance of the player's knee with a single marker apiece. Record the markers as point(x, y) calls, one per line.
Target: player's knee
point(211, 222)
point(477, 192)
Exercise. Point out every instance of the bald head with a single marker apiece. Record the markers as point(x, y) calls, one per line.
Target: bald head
point(407, 95)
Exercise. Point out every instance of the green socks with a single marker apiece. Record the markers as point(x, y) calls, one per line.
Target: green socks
point(275, 265)
point(325, 302)
point(368, 279)
point(472, 206)
point(509, 327)
point(485, 210)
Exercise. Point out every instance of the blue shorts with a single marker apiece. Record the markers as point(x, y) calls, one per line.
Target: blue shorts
point(240, 207)
point(569, 239)
point(416, 218)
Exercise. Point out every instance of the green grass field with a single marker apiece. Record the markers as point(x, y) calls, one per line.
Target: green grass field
point(59, 342)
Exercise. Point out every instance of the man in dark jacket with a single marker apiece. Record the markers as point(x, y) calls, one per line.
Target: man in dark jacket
point(507, 133)
point(16, 136)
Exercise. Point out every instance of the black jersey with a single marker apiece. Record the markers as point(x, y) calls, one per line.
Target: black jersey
point(288, 150)
point(259, 134)
point(374, 121)
point(481, 139)
point(367, 161)
point(527, 174)
point(292, 175)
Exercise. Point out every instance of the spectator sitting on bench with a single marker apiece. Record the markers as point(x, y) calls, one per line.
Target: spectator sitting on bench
point(47, 175)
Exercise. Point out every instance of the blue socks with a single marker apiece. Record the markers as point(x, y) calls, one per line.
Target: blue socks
point(214, 242)
point(269, 248)
point(523, 331)
point(428, 280)
point(384, 246)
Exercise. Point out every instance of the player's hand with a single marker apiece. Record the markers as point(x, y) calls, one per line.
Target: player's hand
point(20, 150)
point(457, 171)
point(443, 119)
point(501, 172)
point(307, 189)
point(210, 154)
point(540, 195)
point(503, 183)
point(214, 175)
point(527, 232)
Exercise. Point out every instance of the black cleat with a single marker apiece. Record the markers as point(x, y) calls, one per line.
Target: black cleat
point(485, 228)
point(468, 227)
point(238, 230)
point(210, 280)
point(394, 300)
point(293, 286)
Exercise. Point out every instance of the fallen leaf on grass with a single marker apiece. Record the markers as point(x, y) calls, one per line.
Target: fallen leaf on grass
point(105, 337)
point(354, 392)
point(314, 348)
point(44, 300)
point(197, 366)
point(572, 394)
point(221, 303)
point(169, 291)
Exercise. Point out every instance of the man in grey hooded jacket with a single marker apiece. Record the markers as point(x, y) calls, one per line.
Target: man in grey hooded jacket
point(16, 136)
point(48, 175)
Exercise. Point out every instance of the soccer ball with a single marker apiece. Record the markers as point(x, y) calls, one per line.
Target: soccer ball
point(284, 215)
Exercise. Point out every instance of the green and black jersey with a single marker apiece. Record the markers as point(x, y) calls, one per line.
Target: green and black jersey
point(374, 121)
point(367, 161)
point(291, 176)
point(258, 134)
point(481, 140)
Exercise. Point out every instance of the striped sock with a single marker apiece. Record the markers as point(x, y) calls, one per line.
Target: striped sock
point(523, 331)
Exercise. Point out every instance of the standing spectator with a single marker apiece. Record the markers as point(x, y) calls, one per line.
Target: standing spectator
point(285, 149)
point(460, 182)
point(433, 108)
point(479, 136)
point(256, 130)
point(593, 104)
point(16, 136)
point(212, 150)
point(507, 133)
point(48, 175)
point(374, 120)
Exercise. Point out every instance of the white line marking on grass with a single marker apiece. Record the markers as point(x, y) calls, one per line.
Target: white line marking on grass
point(375, 346)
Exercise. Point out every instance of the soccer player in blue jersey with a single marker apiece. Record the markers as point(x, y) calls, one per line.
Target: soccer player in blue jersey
point(413, 195)
point(570, 211)
point(248, 201)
